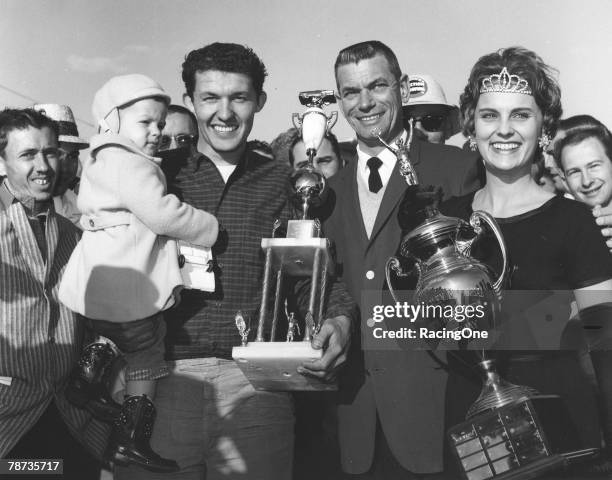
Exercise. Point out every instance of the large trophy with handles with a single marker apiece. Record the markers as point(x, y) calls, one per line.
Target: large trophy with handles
point(511, 432)
point(272, 364)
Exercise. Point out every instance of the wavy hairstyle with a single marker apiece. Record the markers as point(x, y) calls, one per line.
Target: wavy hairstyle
point(589, 128)
point(364, 51)
point(526, 64)
point(224, 57)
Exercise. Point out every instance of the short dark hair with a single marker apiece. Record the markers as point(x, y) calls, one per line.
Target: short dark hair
point(365, 50)
point(224, 57)
point(282, 145)
point(22, 119)
point(526, 64)
point(172, 108)
point(569, 124)
point(579, 134)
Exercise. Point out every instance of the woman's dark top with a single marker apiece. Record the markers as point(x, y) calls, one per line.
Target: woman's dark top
point(557, 246)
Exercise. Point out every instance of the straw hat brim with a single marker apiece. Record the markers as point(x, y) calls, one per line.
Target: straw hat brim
point(82, 144)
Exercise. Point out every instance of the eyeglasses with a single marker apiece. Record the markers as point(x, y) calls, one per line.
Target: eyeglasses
point(431, 123)
point(181, 140)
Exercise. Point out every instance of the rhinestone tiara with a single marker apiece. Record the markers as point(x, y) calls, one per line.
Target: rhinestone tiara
point(505, 83)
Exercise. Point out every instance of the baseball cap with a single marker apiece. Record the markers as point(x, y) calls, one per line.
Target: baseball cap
point(426, 91)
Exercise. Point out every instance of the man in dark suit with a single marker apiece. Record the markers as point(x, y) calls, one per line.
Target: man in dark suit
point(392, 401)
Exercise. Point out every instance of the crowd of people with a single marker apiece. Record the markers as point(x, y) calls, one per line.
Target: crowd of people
point(106, 361)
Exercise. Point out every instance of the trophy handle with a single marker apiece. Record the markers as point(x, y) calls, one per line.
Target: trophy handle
point(331, 120)
point(475, 219)
point(394, 264)
point(296, 119)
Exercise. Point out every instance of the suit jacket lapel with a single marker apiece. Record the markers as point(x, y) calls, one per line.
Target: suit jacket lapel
point(393, 194)
point(358, 227)
point(394, 191)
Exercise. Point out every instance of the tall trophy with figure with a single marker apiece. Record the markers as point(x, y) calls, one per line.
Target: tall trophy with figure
point(272, 364)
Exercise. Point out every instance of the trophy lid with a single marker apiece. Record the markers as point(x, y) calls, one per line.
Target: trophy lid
point(437, 231)
point(497, 392)
point(428, 230)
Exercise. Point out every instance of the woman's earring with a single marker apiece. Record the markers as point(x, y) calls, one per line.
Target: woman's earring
point(544, 141)
point(473, 145)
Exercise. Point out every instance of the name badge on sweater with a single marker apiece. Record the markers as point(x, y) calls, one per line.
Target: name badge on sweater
point(196, 264)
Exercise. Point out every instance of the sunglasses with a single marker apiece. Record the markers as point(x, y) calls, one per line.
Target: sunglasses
point(181, 140)
point(431, 123)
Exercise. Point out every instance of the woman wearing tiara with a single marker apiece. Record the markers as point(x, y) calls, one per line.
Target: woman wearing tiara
point(511, 106)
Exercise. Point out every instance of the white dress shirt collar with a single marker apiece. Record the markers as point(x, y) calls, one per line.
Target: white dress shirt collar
point(387, 158)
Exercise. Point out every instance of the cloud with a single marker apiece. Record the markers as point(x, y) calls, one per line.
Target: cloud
point(141, 49)
point(95, 64)
point(116, 64)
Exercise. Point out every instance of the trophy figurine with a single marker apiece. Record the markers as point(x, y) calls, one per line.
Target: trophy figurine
point(272, 365)
point(402, 152)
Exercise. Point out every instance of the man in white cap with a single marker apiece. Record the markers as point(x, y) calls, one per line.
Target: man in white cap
point(64, 197)
point(435, 118)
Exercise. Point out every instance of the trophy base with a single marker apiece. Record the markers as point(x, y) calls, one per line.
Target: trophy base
point(273, 366)
point(535, 469)
point(517, 441)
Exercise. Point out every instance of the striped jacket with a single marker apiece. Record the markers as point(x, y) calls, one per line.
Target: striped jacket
point(40, 339)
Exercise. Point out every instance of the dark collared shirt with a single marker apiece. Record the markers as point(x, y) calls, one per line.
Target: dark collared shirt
point(256, 194)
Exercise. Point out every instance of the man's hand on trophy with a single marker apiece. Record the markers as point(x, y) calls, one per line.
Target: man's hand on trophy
point(334, 338)
point(603, 218)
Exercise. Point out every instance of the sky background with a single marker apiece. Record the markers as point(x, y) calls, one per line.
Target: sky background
point(62, 51)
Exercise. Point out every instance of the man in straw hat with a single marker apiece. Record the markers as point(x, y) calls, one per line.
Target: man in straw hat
point(70, 144)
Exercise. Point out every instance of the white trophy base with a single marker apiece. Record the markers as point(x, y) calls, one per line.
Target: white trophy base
point(273, 366)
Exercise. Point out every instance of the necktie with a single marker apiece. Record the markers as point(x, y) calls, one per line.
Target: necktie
point(374, 181)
